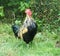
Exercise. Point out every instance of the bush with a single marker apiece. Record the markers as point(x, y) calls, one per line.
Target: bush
point(45, 12)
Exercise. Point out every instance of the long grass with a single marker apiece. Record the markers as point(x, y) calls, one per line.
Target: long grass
point(44, 44)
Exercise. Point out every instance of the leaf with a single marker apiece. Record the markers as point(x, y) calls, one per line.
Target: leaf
point(1, 11)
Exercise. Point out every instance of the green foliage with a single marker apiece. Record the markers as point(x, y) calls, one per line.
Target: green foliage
point(1, 11)
point(45, 12)
point(42, 45)
point(18, 22)
point(23, 6)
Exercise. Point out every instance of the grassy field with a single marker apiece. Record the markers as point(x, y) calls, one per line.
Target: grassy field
point(44, 44)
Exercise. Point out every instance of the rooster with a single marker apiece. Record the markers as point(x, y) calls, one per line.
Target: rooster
point(28, 29)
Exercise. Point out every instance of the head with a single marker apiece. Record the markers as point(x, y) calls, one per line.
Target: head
point(28, 12)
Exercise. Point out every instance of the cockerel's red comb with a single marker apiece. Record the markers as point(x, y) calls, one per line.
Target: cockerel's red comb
point(28, 11)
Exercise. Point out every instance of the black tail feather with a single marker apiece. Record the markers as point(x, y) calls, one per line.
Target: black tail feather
point(15, 29)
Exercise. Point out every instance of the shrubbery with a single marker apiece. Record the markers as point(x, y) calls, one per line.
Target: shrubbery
point(45, 12)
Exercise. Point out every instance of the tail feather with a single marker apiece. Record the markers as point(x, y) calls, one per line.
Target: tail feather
point(15, 29)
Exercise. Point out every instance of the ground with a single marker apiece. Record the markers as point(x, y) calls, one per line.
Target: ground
point(44, 44)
